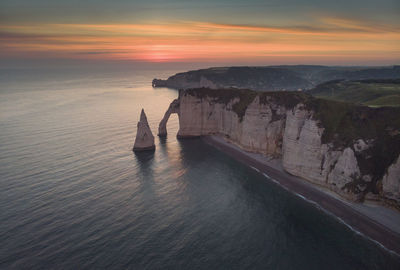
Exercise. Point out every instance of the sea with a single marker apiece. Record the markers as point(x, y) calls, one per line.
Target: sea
point(73, 195)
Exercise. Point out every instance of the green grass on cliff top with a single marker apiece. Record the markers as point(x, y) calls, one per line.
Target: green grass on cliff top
point(374, 93)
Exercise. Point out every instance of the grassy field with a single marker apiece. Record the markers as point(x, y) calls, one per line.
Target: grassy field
point(374, 93)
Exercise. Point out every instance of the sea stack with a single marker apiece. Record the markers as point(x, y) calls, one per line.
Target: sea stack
point(144, 138)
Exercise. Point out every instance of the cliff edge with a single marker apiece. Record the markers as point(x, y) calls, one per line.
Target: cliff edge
point(273, 78)
point(351, 150)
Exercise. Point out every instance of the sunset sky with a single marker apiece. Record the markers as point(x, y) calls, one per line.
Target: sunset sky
point(243, 32)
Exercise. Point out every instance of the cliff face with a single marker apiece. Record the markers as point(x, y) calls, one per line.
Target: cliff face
point(294, 127)
point(391, 181)
point(306, 156)
point(260, 130)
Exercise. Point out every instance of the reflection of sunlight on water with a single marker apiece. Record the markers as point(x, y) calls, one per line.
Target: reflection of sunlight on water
point(179, 173)
point(164, 169)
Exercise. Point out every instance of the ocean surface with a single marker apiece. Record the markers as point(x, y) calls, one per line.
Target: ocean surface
point(73, 195)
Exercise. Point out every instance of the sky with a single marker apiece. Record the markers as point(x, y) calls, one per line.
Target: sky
point(350, 32)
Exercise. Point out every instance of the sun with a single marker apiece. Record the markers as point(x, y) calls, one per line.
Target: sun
point(159, 53)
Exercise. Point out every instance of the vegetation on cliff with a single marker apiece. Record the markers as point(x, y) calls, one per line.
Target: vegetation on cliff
point(257, 78)
point(273, 78)
point(367, 92)
point(344, 123)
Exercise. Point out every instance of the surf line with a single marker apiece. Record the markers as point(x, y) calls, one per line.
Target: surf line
point(319, 207)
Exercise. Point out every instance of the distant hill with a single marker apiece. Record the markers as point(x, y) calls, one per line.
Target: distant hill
point(377, 92)
point(273, 78)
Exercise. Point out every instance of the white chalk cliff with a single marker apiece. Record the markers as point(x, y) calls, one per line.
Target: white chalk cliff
point(391, 181)
point(144, 138)
point(290, 133)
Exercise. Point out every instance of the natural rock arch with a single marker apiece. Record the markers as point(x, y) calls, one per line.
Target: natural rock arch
point(173, 108)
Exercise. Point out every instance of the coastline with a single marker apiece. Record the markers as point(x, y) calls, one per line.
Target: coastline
point(377, 223)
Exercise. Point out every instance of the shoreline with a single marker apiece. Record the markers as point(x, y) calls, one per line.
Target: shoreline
point(377, 223)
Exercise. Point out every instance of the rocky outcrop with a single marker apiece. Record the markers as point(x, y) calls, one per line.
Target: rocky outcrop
point(159, 83)
point(312, 143)
point(391, 181)
point(182, 81)
point(144, 138)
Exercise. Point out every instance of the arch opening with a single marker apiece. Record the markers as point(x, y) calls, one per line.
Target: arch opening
point(173, 108)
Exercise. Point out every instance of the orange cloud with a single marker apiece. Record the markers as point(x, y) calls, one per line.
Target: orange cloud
point(197, 41)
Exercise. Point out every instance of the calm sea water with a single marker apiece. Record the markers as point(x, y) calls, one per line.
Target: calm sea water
point(74, 196)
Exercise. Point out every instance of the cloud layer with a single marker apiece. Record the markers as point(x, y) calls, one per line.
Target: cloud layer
point(327, 38)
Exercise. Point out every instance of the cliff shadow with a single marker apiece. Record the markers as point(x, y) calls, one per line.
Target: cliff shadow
point(194, 150)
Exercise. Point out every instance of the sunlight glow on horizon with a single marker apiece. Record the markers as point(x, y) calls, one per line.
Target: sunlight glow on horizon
point(202, 41)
